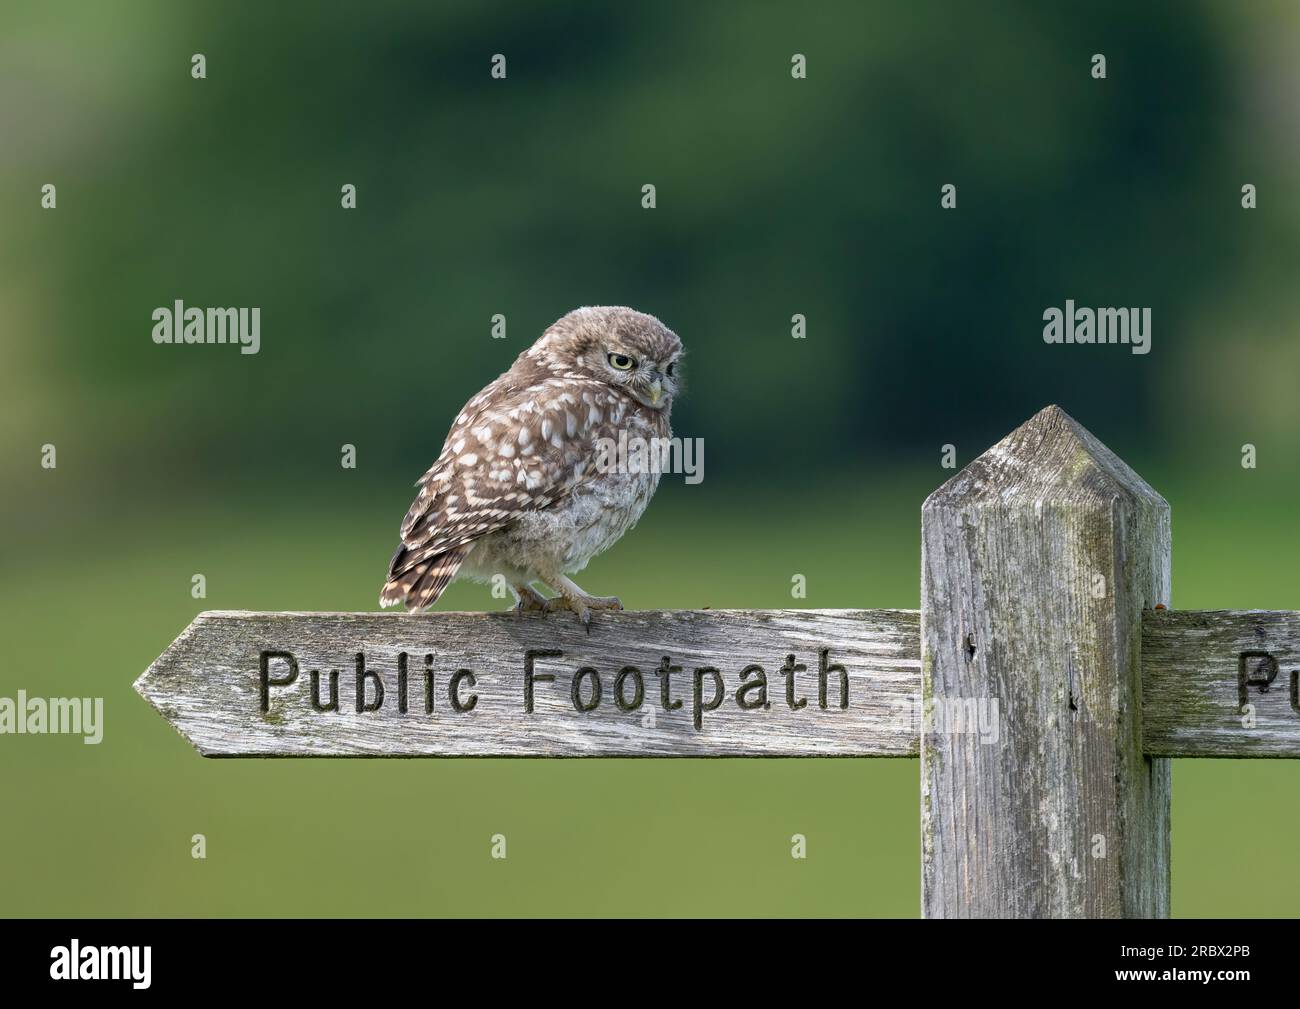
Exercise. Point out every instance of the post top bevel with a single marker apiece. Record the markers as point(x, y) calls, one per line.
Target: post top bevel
point(1051, 458)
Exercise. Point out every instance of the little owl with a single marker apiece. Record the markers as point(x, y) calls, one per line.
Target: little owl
point(517, 490)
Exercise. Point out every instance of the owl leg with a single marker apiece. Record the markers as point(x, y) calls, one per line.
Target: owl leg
point(571, 597)
point(528, 599)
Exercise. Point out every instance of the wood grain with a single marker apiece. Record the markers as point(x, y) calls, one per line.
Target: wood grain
point(1201, 668)
point(1037, 561)
point(208, 684)
point(1190, 672)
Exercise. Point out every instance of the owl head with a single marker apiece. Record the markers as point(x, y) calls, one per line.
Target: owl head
point(621, 347)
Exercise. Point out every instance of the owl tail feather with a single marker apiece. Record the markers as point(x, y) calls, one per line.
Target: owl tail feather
point(422, 584)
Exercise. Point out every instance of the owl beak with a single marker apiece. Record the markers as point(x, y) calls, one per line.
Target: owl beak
point(656, 391)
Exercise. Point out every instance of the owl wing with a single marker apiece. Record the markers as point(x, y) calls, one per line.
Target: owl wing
point(514, 448)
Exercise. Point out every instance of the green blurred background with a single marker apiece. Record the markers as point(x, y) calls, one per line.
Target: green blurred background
point(522, 197)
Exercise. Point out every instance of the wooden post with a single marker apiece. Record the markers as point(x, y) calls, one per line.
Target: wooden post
point(1038, 560)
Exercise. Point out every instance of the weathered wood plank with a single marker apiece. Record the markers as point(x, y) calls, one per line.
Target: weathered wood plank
point(1221, 683)
point(1037, 562)
point(209, 684)
point(1191, 671)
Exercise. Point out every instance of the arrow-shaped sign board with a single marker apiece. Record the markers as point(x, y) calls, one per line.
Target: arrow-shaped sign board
point(681, 683)
point(668, 683)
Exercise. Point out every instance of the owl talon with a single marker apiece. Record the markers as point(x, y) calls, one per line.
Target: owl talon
point(529, 600)
point(555, 604)
point(582, 604)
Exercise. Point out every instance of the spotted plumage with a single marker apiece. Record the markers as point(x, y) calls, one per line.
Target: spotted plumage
point(520, 489)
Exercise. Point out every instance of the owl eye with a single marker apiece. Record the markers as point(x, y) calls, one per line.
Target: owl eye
point(669, 370)
point(621, 362)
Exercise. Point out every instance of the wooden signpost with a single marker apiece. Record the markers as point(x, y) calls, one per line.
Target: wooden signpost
point(1044, 683)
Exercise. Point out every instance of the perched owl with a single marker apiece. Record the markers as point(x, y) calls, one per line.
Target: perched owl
point(517, 490)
